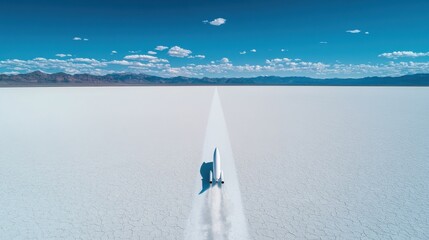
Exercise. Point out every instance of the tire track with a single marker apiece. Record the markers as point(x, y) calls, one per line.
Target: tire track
point(217, 211)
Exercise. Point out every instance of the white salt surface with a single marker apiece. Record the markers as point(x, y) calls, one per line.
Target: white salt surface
point(331, 162)
point(300, 163)
point(99, 163)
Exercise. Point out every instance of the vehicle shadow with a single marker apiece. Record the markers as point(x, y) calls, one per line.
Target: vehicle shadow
point(205, 170)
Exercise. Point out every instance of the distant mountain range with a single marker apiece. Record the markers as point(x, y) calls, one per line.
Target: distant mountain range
point(62, 79)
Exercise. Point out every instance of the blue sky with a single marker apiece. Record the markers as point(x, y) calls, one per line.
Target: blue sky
point(216, 38)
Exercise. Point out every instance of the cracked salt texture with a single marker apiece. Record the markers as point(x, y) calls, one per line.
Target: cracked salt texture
point(99, 163)
point(120, 163)
point(331, 162)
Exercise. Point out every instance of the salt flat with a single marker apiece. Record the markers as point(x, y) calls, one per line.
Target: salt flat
point(124, 163)
point(331, 162)
point(99, 163)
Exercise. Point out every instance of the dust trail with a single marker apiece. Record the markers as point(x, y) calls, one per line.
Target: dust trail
point(217, 211)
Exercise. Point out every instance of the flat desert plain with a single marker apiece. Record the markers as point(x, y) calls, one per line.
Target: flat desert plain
point(131, 163)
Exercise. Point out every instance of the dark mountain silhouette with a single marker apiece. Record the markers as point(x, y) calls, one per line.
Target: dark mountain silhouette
point(62, 79)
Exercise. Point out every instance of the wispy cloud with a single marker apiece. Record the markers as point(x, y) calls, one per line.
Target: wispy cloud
point(198, 56)
point(243, 52)
point(404, 54)
point(354, 31)
point(114, 52)
point(144, 57)
point(323, 42)
point(151, 52)
point(179, 52)
point(161, 48)
point(62, 55)
point(253, 50)
point(92, 61)
point(216, 22)
point(80, 39)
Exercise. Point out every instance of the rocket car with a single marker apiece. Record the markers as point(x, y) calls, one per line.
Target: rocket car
point(216, 175)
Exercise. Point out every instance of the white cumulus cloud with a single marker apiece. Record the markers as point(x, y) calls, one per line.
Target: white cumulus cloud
point(216, 22)
point(224, 60)
point(253, 50)
point(177, 51)
point(221, 68)
point(151, 52)
point(403, 54)
point(243, 52)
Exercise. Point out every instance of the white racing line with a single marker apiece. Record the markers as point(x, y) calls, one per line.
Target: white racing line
point(217, 211)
